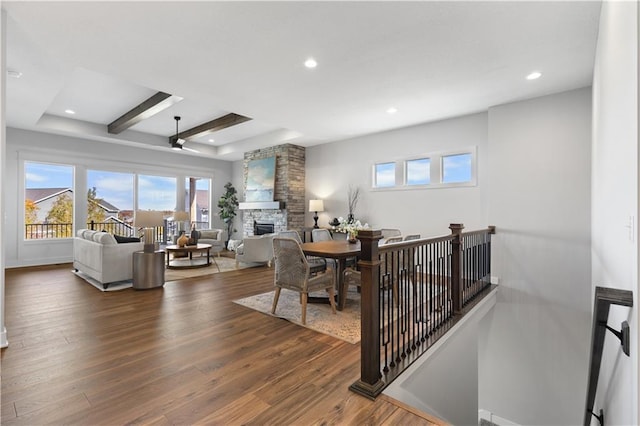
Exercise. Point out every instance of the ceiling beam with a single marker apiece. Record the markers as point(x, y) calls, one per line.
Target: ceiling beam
point(219, 123)
point(146, 109)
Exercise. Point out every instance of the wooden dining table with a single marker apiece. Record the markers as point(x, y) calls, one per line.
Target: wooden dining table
point(340, 250)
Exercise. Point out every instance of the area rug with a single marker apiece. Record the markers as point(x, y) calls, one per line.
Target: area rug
point(344, 325)
point(225, 263)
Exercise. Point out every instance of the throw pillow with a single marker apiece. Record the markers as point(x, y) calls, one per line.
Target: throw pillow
point(121, 239)
point(104, 238)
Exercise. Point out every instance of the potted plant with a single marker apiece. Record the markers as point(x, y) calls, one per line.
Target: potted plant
point(228, 203)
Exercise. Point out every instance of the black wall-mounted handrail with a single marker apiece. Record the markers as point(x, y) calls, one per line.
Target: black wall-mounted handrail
point(604, 298)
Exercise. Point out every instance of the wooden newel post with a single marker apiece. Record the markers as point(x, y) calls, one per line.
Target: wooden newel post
point(370, 383)
point(456, 266)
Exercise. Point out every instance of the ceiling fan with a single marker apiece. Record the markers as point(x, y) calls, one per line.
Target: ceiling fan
point(176, 142)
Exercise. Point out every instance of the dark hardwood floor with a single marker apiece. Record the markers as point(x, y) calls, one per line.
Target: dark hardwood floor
point(183, 354)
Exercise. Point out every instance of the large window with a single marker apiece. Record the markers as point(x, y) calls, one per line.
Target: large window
point(433, 170)
point(197, 200)
point(110, 201)
point(48, 200)
point(157, 193)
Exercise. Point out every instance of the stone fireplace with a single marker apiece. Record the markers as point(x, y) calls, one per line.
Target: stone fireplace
point(287, 209)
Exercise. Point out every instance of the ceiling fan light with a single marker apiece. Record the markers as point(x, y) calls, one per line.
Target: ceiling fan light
point(176, 142)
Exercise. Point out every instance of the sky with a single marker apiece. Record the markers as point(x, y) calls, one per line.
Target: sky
point(156, 192)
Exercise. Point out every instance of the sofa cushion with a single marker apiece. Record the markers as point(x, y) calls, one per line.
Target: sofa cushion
point(121, 239)
point(209, 234)
point(104, 238)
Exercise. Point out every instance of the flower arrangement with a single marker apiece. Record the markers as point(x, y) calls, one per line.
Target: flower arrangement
point(350, 228)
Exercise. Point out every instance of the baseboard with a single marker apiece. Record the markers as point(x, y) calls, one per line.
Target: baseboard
point(430, 418)
point(3, 338)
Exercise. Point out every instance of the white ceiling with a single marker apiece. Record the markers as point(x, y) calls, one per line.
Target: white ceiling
point(430, 60)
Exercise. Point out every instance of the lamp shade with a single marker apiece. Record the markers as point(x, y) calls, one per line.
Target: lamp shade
point(180, 216)
point(148, 218)
point(316, 206)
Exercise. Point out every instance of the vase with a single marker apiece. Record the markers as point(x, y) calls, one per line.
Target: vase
point(182, 240)
point(352, 237)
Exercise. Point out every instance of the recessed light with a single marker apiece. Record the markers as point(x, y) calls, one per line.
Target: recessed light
point(14, 73)
point(69, 111)
point(211, 140)
point(392, 110)
point(534, 75)
point(310, 63)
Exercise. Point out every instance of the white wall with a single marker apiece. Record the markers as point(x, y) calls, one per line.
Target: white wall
point(331, 168)
point(3, 175)
point(533, 359)
point(615, 200)
point(83, 154)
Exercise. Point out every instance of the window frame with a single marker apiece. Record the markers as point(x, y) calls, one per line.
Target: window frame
point(22, 199)
point(436, 171)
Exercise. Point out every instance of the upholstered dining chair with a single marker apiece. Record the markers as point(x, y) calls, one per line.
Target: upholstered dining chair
point(393, 240)
point(390, 265)
point(317, 264)
point(293, 272)
point(320, 235)
point(389, 233)
point(324, 235)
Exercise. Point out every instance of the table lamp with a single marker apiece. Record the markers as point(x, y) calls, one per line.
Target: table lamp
point(180, 217)
point(149, 220)
point(316, 206)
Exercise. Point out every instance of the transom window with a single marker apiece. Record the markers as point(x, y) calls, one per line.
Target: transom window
point(385, 175)
point(433, 170)
point(418, 171)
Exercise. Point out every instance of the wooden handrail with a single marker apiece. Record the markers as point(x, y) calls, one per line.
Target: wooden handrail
point(604, 298)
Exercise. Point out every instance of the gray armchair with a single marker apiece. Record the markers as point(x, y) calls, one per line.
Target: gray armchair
point(255, 249)
point(216, 237)
point(294, 273)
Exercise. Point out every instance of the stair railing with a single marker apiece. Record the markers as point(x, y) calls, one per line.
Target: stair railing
point(604, 298)
point(412, 293)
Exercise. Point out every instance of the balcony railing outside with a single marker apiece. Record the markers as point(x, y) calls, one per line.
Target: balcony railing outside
point(35, 231)
point(411, 292)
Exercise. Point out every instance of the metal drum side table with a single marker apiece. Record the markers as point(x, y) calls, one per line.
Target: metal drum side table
point(148, 269)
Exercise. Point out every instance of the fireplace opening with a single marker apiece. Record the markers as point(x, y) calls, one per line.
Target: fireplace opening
point(263, 227)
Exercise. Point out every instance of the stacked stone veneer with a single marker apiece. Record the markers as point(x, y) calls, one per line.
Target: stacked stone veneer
point(289, 188)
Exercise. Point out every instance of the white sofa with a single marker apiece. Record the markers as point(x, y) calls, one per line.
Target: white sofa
point(255, 249)
point(100, 256)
